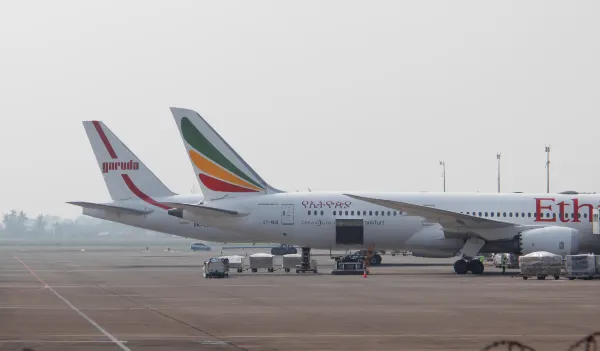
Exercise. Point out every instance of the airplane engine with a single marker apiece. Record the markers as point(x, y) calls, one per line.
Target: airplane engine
point(556, 240)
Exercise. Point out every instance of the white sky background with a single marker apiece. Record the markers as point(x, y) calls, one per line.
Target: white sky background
point(327, 95)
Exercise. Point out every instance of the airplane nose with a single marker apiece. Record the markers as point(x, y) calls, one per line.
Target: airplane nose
point(176, 212)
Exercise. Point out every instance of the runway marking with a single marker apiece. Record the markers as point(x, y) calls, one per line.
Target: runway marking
point(60, 341)
point(91, 321)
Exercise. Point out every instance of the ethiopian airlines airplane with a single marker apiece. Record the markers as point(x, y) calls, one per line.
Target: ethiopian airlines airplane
point(237, 199)
point(138, 194)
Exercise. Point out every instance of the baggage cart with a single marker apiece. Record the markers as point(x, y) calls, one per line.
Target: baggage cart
point(214, 268)
point(540, 265)
point(290, 261)
point(235, 262)
point(580, 266)
point(261, 261)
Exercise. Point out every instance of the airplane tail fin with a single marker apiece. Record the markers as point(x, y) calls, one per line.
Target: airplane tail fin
point(125, 175)
point(221, 172)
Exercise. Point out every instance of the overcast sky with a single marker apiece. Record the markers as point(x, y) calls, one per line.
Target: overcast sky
point(327, 95)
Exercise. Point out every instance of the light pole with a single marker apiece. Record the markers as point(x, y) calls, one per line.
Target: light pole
point(443, 164)
point(498, 157)
point(548, 169)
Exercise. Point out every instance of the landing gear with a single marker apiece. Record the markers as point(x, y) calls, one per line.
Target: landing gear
point(476, 267)
point(376, 260)
point(462, 266)
point(467, 263)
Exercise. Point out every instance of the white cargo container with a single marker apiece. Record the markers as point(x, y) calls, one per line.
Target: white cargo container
point(261, 261)
point(290, 261)
point(235, 262)
point(580, 266)
point(540, 264)
point(512, 260)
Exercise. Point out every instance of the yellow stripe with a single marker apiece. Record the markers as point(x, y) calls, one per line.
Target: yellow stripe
point(208, 167)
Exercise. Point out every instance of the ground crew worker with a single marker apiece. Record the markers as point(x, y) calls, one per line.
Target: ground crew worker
point(503, 263)
point(481, 259)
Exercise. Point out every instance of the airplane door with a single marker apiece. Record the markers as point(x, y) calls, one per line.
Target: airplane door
point(596, 221)
point(287, 214)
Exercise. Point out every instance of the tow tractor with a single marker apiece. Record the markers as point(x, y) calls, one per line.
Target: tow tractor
point(349, 264)
point(215, 268)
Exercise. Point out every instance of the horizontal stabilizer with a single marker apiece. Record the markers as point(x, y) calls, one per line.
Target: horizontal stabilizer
point(111, 208)
point(202, 210)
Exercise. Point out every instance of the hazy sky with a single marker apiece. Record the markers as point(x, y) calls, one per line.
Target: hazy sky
point(327, 95)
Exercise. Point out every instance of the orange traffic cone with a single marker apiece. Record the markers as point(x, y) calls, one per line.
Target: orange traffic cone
point(365, 274)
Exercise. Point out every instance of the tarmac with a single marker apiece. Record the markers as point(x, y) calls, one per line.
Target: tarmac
point(127, 299)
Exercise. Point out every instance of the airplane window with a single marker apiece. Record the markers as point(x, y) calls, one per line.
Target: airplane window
point(376, 213)
point(504, 214)
point(394, 213)
point(491, 214)
point(334, 212)
point(309, 212)
point(585, 215)
point(364, 213)
point(510, 214)
point(352, 213)
point(346, 213)
point(389, 213)
point(370, 213)
point(547, 215)
point(315, 212)
point(498, 214)
point(479, 214)
point(578, 215)
point(486, 214)
point(321, 213)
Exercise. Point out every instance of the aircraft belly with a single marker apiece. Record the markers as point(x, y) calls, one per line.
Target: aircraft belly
point(390, 234)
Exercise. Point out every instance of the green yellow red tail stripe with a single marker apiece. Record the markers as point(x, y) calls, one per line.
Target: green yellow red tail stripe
point(218, 172)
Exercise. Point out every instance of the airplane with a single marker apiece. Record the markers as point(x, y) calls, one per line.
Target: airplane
point(137, 194)
point(237, 199)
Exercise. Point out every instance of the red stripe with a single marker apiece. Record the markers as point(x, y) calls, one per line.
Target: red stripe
point(109, 147)
point(134, 189)
point(219, 185)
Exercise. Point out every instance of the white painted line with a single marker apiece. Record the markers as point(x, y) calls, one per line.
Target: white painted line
point(107, 334)
point(60, 341)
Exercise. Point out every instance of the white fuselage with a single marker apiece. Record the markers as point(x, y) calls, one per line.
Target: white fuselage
point(309, 219)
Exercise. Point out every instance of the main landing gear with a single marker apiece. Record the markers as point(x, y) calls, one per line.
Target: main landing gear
point(463, 266)
point(466, 263)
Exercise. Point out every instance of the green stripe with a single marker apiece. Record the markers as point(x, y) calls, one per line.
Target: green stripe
point(201, 144)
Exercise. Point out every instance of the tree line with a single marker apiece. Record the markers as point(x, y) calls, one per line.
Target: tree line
point(17, 223)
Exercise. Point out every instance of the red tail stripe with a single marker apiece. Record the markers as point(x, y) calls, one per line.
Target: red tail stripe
point(219, 185)
point(134, 189)
point(109, 147)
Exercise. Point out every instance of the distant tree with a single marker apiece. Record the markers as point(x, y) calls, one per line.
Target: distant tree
point(40, 224)
point(10, 222)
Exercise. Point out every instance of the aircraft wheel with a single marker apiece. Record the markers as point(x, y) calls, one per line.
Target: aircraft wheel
point(556, 277)
point(476, 267)
point(376, 260)
point(461, 267)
